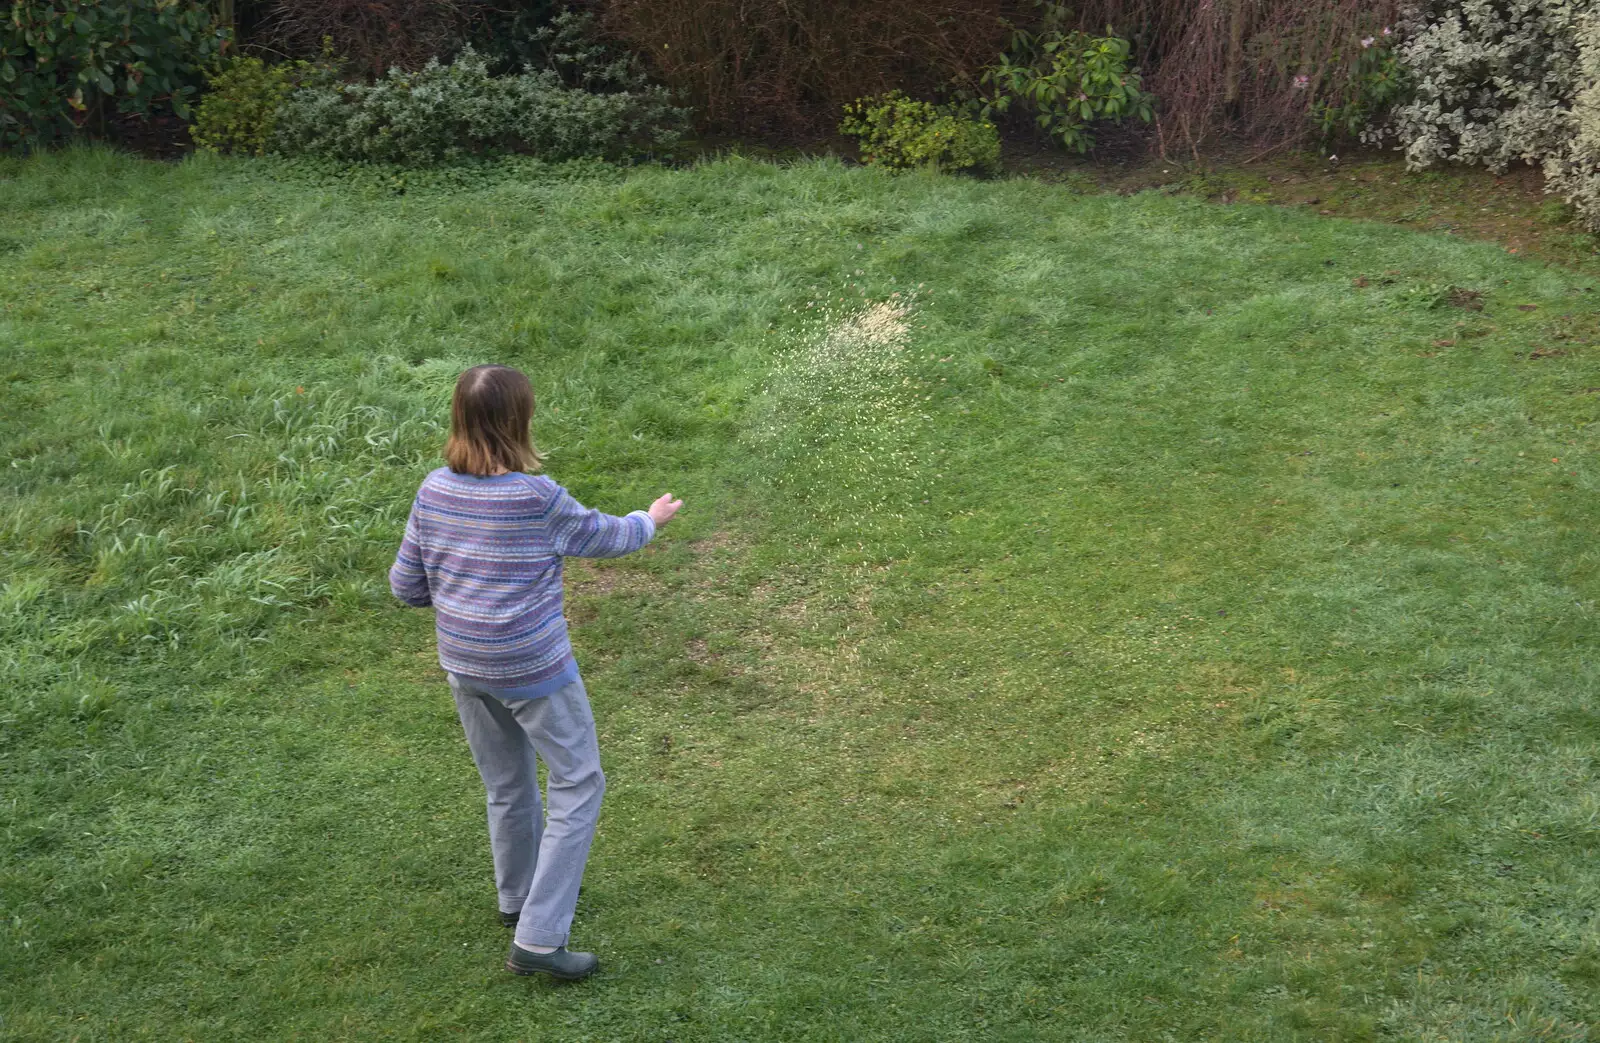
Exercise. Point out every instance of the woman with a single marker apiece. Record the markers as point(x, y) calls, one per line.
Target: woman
point(484, 546)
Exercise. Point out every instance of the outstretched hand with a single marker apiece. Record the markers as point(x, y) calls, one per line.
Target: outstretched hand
point(663, 509)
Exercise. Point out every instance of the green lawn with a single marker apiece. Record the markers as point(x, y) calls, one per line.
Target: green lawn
point(1191, 634)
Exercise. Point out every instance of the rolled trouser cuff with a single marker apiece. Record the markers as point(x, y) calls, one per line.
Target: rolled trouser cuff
point(527, 936)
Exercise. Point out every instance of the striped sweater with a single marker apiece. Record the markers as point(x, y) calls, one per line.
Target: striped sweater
point(486, 554)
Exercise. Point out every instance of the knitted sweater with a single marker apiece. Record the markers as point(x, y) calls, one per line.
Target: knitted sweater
point(486, 554)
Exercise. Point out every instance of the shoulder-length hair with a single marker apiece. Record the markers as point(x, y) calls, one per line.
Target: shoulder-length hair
point(489, 420)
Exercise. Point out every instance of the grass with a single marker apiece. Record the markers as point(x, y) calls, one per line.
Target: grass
point(1511, 209)
point(1190, 634)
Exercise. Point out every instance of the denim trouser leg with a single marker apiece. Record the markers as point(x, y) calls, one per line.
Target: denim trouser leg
point(538, 866)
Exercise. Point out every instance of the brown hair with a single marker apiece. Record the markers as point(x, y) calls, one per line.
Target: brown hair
point(489, 418)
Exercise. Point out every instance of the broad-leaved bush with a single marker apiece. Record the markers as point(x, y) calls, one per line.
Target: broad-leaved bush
point(900, 133)
point(1377, 80)
point(1066, 80)
point(64, 63)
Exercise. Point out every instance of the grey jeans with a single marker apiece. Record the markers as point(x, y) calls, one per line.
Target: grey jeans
point(538, 854)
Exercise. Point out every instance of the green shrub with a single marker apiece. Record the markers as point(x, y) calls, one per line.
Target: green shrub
point(1574, 172)
point(64, 63)
point(239, 110)
point(1376, 82)
point(1494, 80)
point(1068, 80)
point(1499, 82)
point(444, 112)
point(898, 132)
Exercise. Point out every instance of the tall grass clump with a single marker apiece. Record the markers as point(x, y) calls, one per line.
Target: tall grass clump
point(275, 505)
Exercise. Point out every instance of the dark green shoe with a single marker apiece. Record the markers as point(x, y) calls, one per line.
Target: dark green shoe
point(561, 964)
point(510, 919)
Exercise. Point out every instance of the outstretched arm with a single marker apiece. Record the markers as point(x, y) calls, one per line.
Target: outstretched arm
point(581, 532)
